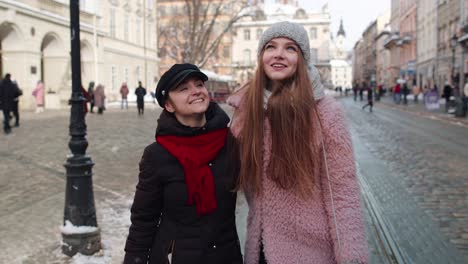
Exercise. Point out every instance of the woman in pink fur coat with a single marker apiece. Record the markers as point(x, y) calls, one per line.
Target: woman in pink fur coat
point(297, 164)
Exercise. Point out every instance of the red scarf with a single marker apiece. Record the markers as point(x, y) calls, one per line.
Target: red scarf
point(194, 153)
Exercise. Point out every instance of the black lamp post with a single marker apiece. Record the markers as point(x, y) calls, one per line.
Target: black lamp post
point(80, 232)
point(453, 44)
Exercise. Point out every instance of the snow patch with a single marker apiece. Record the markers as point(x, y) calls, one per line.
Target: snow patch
point(69, 229)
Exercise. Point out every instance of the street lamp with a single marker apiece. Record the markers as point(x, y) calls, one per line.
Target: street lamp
point(80, 232)
point(453, 44)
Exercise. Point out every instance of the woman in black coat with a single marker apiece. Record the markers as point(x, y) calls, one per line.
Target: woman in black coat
point(184, 206)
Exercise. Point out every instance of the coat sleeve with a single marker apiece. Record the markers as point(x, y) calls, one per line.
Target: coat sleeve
point(235, 101)
point(145, 211)
point(345, 215)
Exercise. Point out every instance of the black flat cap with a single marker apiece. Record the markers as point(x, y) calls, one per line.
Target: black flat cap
point(175, 76)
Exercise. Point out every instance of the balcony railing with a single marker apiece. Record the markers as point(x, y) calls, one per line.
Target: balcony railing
point(392, 40)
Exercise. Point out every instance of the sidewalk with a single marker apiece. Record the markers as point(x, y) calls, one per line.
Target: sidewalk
point(420, 110)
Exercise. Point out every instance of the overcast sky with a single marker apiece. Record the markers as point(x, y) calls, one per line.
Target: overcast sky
point(356, 14)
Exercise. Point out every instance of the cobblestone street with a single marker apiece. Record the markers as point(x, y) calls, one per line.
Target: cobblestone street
point(420, 177)
point(412, 172)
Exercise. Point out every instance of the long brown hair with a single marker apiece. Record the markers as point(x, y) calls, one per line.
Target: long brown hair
point(295, 154)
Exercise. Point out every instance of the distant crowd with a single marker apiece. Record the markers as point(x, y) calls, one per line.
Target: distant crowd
point(95, 96)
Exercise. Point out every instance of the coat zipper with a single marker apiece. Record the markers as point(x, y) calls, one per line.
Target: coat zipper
point(170, 252)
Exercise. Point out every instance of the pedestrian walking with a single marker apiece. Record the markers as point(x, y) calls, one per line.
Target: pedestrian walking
point(184, 205)
point(355, 91)
point(379, 92)
point(91, 96)
point(124, 94)
point(8, 93)
point(140, 93)
point(397, 93)
point(283, 177)
point(370, 100)
point(405, 92)
point(99, 98)
point(15, 109)
point(361, 91)
point(416, 91)
point(38, 94)
point(447, 93)
point(87, 99)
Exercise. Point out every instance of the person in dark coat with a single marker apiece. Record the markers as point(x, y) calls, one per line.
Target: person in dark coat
point(91, 96)
point(405, 91)
point(447, 92)
point(184, 206)
point(355, 91)
point(370, 99)
point(361, 90)
point(140, 93)
point(8, 93)
point(15, 108)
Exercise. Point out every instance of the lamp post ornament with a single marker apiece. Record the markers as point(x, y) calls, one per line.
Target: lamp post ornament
point(80, 233)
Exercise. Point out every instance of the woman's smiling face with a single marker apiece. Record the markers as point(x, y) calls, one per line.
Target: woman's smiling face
point(280, 57)
point(189, 102)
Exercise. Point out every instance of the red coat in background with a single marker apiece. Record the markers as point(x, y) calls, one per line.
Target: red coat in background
point(397, 88)
point(87, 97)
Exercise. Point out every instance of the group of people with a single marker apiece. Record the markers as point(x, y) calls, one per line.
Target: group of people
point(9, 97)
point(286, 148)
point(96, 97)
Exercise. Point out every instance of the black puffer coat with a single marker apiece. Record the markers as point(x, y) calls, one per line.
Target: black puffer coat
point(162, 219)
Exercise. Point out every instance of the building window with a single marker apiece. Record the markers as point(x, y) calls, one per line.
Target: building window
point(162, 11)
point(126, 27)
point(246, 34)
point(313, 33)
point(150, 4)
point(126, 75)
point(162, 52)
point(226, 51)
point(149, 41)
point(247, 54)
point(114, 77)
point(138, 31)
point(112, 22)
point(259, 33)
point(137, 73)
point(313, 55)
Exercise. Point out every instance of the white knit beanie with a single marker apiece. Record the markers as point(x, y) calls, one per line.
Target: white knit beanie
point(288, 30)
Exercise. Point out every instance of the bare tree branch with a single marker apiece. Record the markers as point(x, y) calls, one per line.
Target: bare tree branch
point(197, 32)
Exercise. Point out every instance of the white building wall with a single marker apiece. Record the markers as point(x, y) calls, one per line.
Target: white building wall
point(35, 38)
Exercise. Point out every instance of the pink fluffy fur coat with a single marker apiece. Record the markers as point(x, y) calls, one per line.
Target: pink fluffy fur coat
point(298, 231)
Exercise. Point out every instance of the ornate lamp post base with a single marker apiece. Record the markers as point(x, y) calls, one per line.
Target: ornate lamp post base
point(86, 243)
point(80, 233)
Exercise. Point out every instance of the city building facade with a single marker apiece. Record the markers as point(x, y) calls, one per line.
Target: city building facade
point(448, 50)
point(407, 30)
point(358, 62)
point(383, 76)
point(118, 43)
point(341, 65)
point(463, 39)
point(370, 54)
point(426, 43)
point(176, 22)
point(247, 31)
point(394, 42)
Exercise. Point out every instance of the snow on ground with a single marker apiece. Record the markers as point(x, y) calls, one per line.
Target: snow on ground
point(113, 220)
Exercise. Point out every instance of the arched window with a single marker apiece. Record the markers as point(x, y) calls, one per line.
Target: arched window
point(247, 57)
